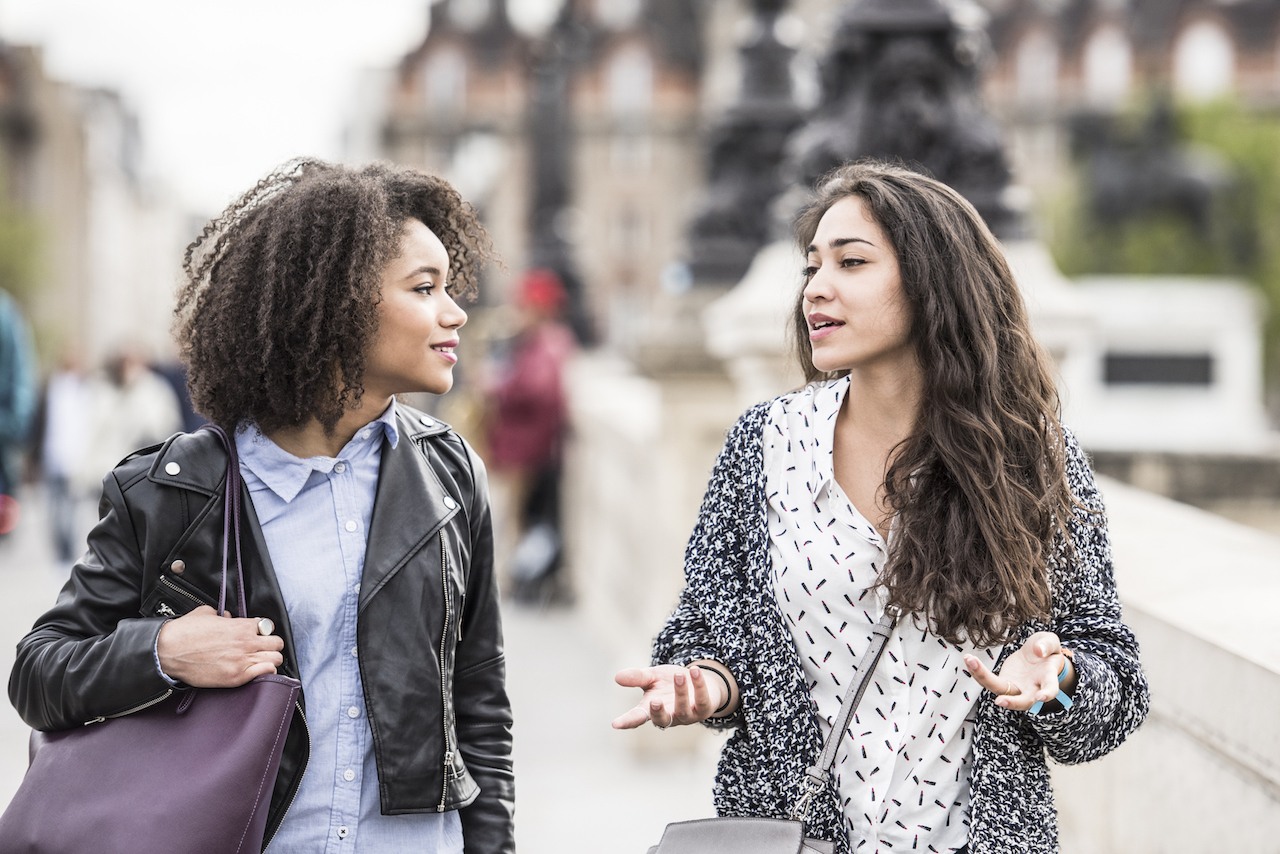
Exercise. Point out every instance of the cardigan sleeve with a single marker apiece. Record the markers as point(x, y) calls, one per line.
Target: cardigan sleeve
point(710, 620)
point(1112, 696)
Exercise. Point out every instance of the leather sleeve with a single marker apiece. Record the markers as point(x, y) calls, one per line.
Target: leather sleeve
point(91, 655)
point(481, 705)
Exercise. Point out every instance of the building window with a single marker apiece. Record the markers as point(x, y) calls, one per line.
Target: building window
point(629, 82)
point(617, 14)
point(444, 79)
point(1036, 69)
point(1108, 67)
point(1204, 62)
point(1162, 369)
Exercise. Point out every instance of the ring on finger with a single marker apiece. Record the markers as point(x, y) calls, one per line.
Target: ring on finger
point(265, 626)
point(1013, 690)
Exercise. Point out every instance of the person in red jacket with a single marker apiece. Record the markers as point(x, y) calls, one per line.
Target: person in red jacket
point(526, 430)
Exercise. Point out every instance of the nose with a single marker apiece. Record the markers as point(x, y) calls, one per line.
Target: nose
point(816, 288)
point(453, 317)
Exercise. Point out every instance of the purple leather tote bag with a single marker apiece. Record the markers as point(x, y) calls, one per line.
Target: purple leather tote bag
point(190, 775)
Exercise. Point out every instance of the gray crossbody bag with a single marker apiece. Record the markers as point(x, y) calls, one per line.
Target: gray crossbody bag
point(748, 835)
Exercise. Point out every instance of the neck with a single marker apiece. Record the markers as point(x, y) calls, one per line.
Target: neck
point(310, 439)
point(885, 404)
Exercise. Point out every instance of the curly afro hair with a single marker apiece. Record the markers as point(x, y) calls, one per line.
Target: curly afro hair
point(278, 302)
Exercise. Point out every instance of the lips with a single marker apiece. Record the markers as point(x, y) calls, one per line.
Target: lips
point(446, 348)
point(821, 325)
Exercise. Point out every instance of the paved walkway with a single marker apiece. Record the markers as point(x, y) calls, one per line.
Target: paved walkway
point(581, 786)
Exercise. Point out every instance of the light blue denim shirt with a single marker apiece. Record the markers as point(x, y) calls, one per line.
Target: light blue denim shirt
point(315, 517)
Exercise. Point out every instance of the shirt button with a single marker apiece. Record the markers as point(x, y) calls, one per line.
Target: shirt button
point(353, 712)
point(355, 651)
point(364, 434)
point(339, 467)
point(351, 525)
point(347, 775)
point(343, 832)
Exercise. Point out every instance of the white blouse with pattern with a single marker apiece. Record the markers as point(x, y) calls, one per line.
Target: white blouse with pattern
point(903, 770)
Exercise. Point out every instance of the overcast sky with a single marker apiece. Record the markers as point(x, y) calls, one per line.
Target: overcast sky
point(224, 89)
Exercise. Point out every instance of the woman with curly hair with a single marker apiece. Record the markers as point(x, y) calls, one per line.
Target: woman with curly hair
point(921, 472)
point(307, 307)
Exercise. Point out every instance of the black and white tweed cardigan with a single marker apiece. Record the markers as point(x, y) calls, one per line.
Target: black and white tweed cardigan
point(728, 612)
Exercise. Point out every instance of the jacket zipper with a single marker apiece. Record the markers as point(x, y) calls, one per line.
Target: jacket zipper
point(127, 712)
point(266, 843)
point(444, 694)
point(176, 589)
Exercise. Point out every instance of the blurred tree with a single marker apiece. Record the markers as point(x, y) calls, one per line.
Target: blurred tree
point(1150, 228)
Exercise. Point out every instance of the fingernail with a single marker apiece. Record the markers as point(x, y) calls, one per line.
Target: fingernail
point(679, 679)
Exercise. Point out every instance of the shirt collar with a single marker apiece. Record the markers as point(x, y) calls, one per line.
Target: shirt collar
point(827, 399)
point(285, 475)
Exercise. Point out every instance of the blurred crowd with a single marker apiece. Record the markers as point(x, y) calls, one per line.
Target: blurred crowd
point(63, 430)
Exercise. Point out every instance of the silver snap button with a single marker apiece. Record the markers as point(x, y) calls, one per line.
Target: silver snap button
point(172, 468)
point(449, 502)
point(426, 421)
point(178, 567)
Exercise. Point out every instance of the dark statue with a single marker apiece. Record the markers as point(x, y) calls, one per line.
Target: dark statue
point(744, 148)
point(1133, 174)
point(901, 82)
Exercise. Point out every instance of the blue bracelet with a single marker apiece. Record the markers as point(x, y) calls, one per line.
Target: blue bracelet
point(1062, 697)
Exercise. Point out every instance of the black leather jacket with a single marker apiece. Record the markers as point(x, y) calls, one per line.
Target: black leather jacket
point(429, 630)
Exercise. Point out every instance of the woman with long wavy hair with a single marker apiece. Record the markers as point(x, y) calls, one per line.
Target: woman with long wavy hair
point(922, 470)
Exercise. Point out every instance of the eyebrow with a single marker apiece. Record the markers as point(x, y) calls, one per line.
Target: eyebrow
point(423, 270)
point(839, 242)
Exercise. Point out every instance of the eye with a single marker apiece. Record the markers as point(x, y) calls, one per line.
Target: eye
point(808, 271)
point(425, 288)
point(853, 262)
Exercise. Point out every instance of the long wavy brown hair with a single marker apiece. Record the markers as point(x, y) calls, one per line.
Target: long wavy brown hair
point(978, 489)
point(278, 304)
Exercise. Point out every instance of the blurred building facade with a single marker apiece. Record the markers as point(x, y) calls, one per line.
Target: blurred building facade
point(105, 243)
point(1054, 60)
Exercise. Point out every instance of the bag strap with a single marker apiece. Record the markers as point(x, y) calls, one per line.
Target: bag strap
point(230, 521)
point(817, 775)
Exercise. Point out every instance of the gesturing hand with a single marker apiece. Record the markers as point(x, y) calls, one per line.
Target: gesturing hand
point(672, 695)
point(207, 651)
point(1029, 675)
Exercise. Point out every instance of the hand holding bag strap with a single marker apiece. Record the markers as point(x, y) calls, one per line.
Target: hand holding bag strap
point(817, 775)
point(230, 521)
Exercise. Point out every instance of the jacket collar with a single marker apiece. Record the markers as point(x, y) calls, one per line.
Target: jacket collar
point(411, 504)
point(410, 507)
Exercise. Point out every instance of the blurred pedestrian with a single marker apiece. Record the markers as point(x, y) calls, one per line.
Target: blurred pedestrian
point(130, 407)
point(307, 307)
point(60, 440)
point(17, 404)
point(526, 427)
point(922, 475)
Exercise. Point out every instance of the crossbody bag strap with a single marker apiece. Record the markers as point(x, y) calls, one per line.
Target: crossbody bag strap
point(817, 775)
